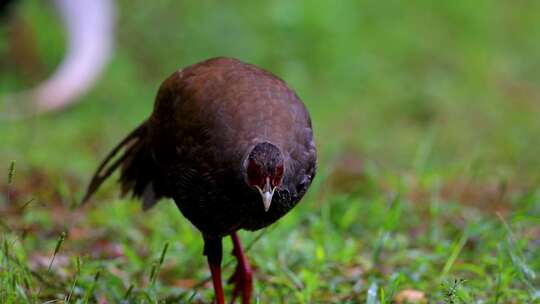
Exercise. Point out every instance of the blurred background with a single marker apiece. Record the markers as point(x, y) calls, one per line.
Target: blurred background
point(436, 103)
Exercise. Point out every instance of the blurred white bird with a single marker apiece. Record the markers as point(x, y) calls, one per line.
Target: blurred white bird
point(90, 36)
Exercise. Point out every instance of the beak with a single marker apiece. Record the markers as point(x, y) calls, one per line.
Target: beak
point(267, 194)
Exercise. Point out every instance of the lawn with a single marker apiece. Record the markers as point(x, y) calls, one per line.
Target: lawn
point(427, 121)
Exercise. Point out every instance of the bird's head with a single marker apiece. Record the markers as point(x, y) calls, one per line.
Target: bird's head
point(264, 170)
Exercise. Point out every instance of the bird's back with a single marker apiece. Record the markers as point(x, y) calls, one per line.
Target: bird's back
point(225, 106)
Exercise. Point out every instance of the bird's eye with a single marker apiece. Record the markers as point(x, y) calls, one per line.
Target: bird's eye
point(254, 174)
point(278, 175)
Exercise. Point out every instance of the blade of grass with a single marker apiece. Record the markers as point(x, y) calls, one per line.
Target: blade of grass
point(93, 287)
point(128, 292)
point(456, 250)
point(59, 243)
point(77, 273)
point(11, 175)
point(372, 293)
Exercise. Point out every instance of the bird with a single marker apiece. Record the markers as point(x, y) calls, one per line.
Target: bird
point(231, 144)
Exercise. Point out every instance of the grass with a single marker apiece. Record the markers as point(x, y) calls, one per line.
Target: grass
point(426, 119)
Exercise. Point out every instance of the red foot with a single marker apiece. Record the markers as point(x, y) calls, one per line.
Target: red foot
point(242, 277)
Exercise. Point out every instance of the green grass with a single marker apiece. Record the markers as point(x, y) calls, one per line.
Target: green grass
point(426, 117)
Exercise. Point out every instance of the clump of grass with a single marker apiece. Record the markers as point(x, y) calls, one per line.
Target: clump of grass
point(451, 290)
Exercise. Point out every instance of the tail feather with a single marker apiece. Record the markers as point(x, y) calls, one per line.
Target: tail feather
point(139, 174)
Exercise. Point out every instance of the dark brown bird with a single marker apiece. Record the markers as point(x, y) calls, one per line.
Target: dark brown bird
point(231, 144)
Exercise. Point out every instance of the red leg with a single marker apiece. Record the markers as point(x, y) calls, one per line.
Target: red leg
point(213, 251)
point(242, 276)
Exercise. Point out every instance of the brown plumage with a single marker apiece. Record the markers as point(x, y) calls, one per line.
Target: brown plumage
point(230, 143)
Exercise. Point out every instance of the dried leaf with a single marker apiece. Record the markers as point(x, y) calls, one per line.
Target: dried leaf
point(185, 283)
point(410, 296)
